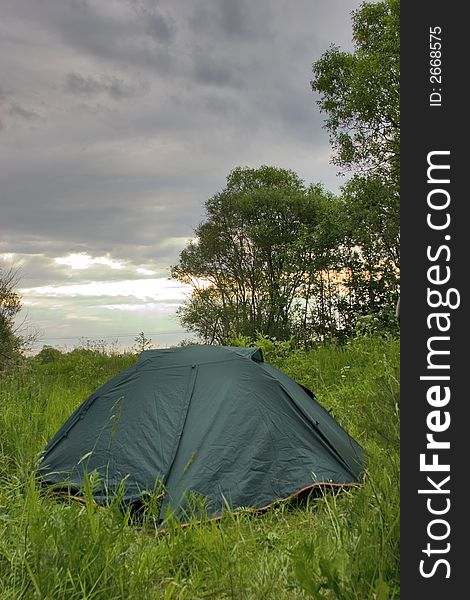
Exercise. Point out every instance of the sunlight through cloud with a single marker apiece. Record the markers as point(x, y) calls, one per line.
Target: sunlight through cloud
point(143, 289)
point(82, 260)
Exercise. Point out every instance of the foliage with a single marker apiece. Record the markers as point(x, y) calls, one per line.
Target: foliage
point(360, 92)
point(278, 258)
point(254, 264)
point(11, 340)
point(372, 250)
point(48, 354)
point(372, 210)
point(328, 546)
point(142, 342)
point(274, 351)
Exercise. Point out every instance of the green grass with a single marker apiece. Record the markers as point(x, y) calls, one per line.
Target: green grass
point(342, 546)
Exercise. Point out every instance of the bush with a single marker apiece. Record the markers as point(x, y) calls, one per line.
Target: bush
point(48, 354)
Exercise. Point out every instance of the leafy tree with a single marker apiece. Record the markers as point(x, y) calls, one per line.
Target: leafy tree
point(277, 258)
point(10, 306)
point(372, 210)
point(253, 260)
point(372, 250)
point(360, 92)
point(206, 314)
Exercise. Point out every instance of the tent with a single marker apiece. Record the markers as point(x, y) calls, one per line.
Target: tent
point(214, 420)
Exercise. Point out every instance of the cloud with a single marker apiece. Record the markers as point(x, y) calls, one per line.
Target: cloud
point(121, 118)
point(114, 87)
point(117, 31)
point(167, 308)
point(241, 21)
point(213, 71)
point(159, 25)
point(17, 110)
point(145, 271)
point(82, 260)
point(142, 289)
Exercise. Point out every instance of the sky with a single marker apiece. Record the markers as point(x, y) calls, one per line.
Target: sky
point(119, 119)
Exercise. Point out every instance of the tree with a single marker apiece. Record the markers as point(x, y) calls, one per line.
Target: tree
point(10, 306)
point(142, 343)
point(360, 92)
point(372, 220)
point(253, 260)
point(48, 354)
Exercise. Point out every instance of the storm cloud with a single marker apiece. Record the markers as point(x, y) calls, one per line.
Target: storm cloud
point(119, 119)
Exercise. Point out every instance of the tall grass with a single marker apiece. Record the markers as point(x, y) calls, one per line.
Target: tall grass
point(333, 546)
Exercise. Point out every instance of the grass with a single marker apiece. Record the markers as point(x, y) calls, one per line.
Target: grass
point(340, 547)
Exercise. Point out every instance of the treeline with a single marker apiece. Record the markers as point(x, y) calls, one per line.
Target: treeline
point(286, 260)
point(278, 257)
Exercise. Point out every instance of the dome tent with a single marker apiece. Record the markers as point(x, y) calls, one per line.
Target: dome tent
point(215, 420)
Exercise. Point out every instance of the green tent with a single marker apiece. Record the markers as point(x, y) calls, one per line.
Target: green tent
point(215, 420)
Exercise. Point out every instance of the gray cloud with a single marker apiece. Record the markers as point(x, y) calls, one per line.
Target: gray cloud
point(212, 71)
point(159, 25)
point(78, 84)
point(120, 32)
point(114, 87)
point(241, 21)
point(17, 110)
point(121, 118)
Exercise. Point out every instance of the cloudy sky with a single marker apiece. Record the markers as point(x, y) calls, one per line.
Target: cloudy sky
point(119, 118)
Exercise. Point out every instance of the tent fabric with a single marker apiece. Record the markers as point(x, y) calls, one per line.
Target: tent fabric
point(215, 420)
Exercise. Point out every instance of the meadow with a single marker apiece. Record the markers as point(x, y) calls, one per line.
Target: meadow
point(339, 546)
